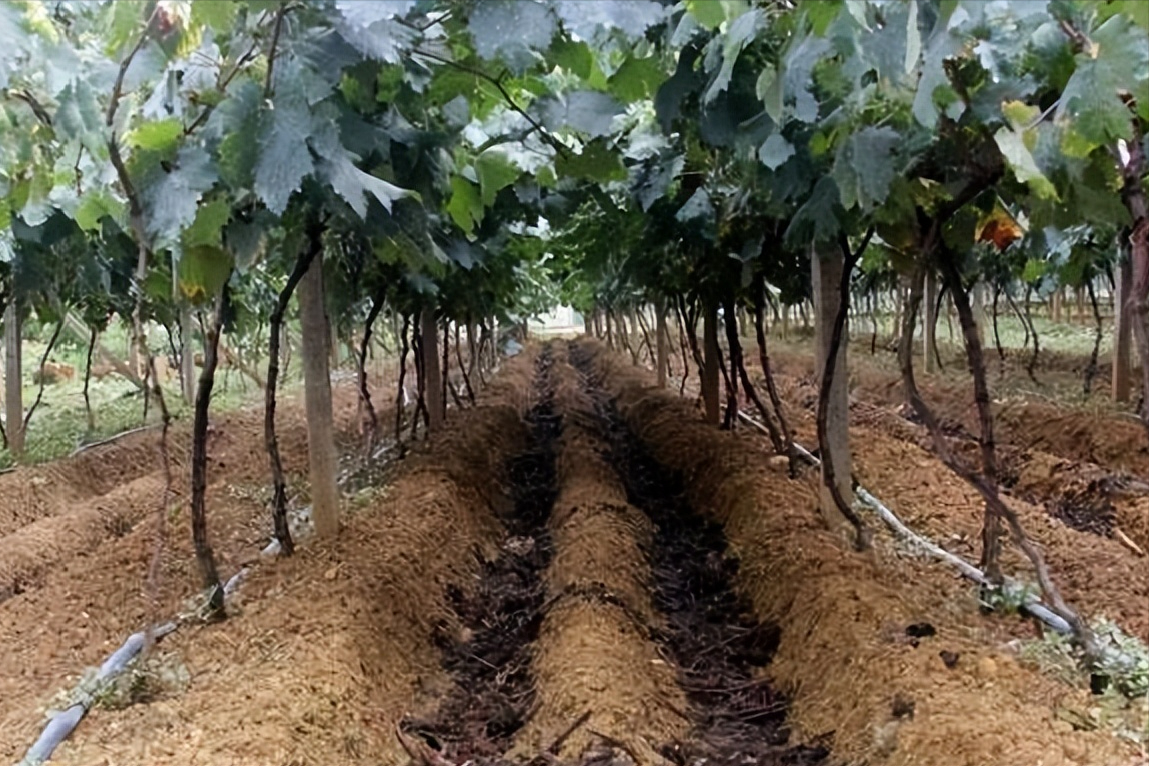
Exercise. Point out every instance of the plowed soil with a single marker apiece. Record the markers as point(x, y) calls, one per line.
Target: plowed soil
point(885, 658)
point(575, 571)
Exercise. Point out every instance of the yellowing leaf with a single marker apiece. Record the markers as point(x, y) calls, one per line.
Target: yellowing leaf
point(1019, 114)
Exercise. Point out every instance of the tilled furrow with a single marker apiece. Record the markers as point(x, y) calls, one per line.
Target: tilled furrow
point(604, 691)
point(488, 652)
point(706, 628)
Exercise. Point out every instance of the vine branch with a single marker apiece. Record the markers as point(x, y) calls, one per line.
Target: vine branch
point(498, 83)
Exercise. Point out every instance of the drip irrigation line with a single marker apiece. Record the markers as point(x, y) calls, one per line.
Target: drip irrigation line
point(1031, 604)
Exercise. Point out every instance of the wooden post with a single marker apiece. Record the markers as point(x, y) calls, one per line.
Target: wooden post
point(826, 270)
point(317, 399)
point(13, 381)
point(929, 324)
point(1122, 382)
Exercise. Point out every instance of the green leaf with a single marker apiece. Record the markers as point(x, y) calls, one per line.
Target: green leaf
point(636, 79)
point(596, 163)
point(1020, 160)
point(913, 38)
point(590, 20)
point(769, 90)
point(820, 13)
point(575, 56)
point(207, 229)
point(741, 33)
point(214, 14)
point(1019, 114)
point(709, 13)
point(511, 29)
point(864, 167)
point(495, 171)
point(158, 136)
point(465, 206)
point(818, 218)
point(95, 205)
point(355, 185)
point(203, 271)
point(78, 115)
point(775, 151)
point(284, 160)
point(697, 210)
point(585, 111)
point(373, 29)
point(239, 118)
point(171, 198)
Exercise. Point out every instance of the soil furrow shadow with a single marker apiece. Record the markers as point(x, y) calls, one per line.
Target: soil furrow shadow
point(709, 631)
point(489, 653)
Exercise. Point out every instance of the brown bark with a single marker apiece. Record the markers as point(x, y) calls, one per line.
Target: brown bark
point(429, 364)
point(1133, 194)
point(829, 274)
point(988, 490)
point(372, 422)
point(317, 401)
point(87, 381)
point(400, 394)
point(711, 372)
point(767, 373)
point(205, 557)
point(660, 363)
point(40, 390)
point(270, 438)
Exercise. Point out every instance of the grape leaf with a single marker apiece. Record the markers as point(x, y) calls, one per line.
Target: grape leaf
point(372, 28)
point(698, 209)
point(798, 73)
point(78, 115)
point(769, 90)
point(818, 220)
point(631, 17)
point(585, 111)
point(203, 270)
point(775, 151)
point(354, 185)
point(575, 56)
point(495, 171)
point(237, 119)
point(171, 199)
point(364, 13)
point(864, 167)
point(511, 29)
point(595, 163)
point(650, 182)
point(465, 206)
point(741, 33)
point(1017, 155)
point(636, 79)
point(216, 15)
point(157, 136)
point(95, 204)
point(207, 229)
point(284, 160)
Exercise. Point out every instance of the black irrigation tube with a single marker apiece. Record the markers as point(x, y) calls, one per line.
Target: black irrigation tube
point(494, 689)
